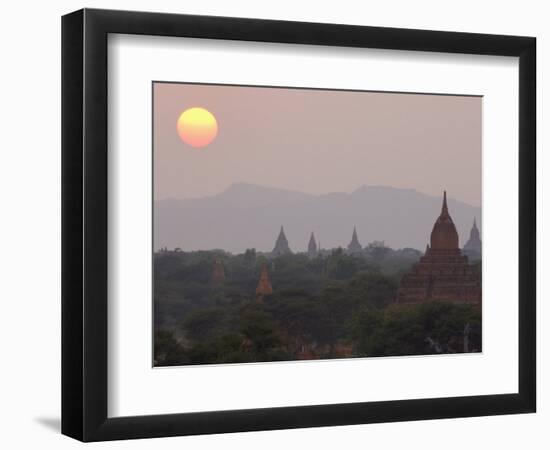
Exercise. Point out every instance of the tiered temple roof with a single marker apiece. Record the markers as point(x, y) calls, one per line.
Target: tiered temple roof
point(474, 243)
point(281, 245)
point(443, 273)
point(354, 246)
point(312, 249)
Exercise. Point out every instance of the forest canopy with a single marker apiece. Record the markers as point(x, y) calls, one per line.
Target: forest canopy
point(334, 305)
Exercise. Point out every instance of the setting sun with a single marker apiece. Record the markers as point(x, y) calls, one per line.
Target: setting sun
point(197, 127)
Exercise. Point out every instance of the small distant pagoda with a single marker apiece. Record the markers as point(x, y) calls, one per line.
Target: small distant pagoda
point(354, 246)
point(264, 285)
point(312, 249)
point(443, 273)
point(281, 245)
point(218, 273)
point(472, 248)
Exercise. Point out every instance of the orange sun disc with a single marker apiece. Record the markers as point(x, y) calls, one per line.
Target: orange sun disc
point(197, 127)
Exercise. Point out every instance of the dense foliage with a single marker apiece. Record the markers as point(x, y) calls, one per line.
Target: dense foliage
point(334, 305)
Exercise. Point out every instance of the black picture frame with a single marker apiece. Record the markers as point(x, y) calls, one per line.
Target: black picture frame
point(84, 224)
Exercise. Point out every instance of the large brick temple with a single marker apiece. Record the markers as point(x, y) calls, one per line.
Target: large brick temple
point(443, 273)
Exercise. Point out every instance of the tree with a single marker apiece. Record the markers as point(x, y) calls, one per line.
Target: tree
point(258, 326)
point(377, 250)
point(416, 329)
point(324, 301)
point(250, 256)
point(343, 268)
point(373, 289)
point(167, 350)
point(224, 348)
point(205, 323)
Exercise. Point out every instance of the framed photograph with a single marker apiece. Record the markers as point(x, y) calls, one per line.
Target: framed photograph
point(272, 224)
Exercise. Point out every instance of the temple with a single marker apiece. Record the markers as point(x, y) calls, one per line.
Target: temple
point(281, 245)
point(354, 246)
point(218, 273)
point(312, 249)
point(264, 285)
point(443, 273)
point(472, 248)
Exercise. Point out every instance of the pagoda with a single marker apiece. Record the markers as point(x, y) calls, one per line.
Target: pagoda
point(264, 285)
point(472, 248)
point(354, 246)
point(281, 245)
point(443, 273)
point(312, 249)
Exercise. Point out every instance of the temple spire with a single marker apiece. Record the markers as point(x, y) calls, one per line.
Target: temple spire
point(444, 209)
point(312, 246)
point(281, 244)
point(473, 246)
point(444, 235)
point(354, 246)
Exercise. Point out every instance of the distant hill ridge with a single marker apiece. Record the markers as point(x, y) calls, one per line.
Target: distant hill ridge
point(250, 216)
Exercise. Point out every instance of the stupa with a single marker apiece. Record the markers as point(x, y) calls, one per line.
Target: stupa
point(472, 248)
point(312, 249)
point(264, 285)
point(354, 246)
point(281, 245)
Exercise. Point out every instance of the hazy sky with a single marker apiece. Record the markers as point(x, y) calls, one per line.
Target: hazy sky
point(319, 141)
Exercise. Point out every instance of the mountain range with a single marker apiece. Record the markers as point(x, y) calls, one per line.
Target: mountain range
point(250, 216)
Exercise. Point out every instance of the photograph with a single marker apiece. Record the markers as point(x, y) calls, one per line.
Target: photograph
point(301, 224)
